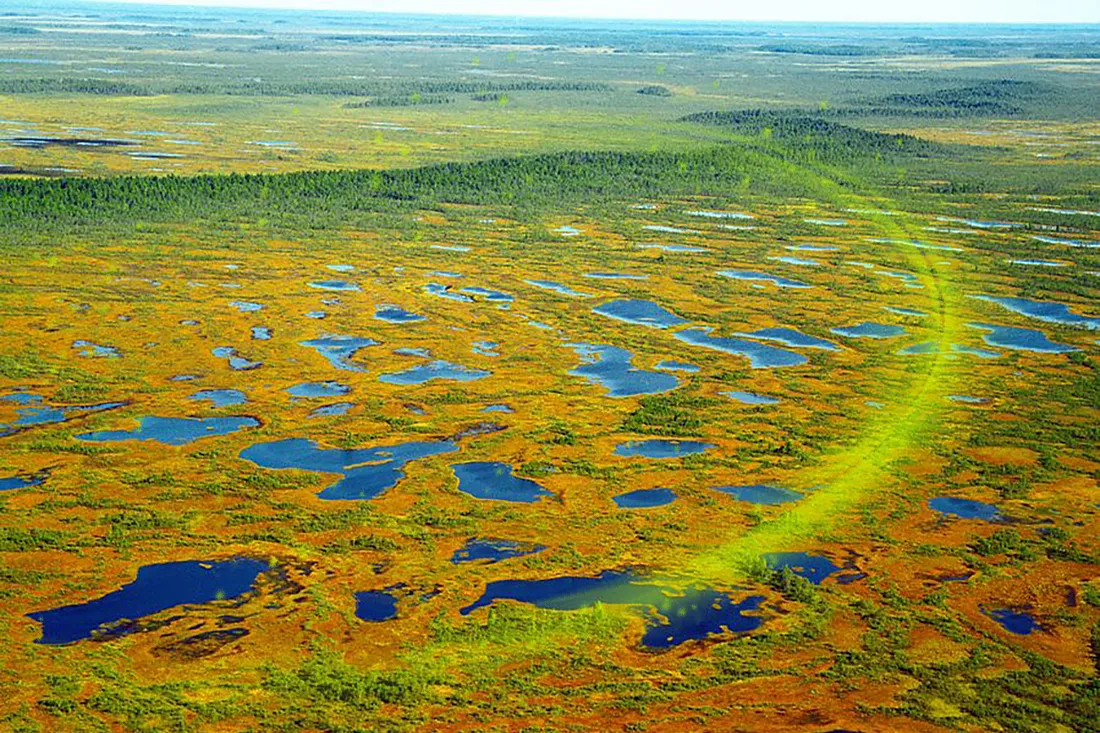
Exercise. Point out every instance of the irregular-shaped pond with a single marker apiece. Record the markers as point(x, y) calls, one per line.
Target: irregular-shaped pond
point(610, 367)
point(645, 498)
point(673, 615)
point(760, 356)
point(482, 550)
point(173, 430)
point(367, 472)
point(491, 480)
point(156, 588)
point(661, 448)
point(639, 312)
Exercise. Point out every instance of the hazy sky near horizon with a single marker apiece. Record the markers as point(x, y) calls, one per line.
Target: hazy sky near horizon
point(927, 11)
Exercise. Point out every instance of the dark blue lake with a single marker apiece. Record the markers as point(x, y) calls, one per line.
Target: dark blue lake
point(661, 448)
point(964, 508)
point(375, 605)
point(673, 615)
point(479, 549)
point(11, 483)
point(610, 367)
point(760, 356)
point(367, 472)
point(491, 480)
point(760, 494)
point(1018, 622)
point(645, 498)
point(220, 397)
point(156, 588)
point(639, 312)
point(174, 430)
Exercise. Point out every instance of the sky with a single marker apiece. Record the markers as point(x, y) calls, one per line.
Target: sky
point(921, 11)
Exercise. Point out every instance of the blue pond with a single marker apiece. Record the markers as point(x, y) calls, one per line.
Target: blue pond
point(797, 261)
point(791, 337)
point(493, 296)
point(964, 508)
point(661, 448)
point(338, 349)
point(645, 498)
point(236, 361)
point(753, 276)
point(367, 471)
point(677, 366)
point(814, 568)
point(760, 494)
point(478, 549)
point(246, 307)
point(87, 348)
point(35, 411)
point(156, 588)
point(341, 268)
point(336, 408)
point(749, 398)
point(413, 351)
point(1020, 339)
point(11, 483)
point(318, 389)
point(437, 369)
point(869, 330)
point(220, 397)
point(396, 314)
point(639, 312)
point(673, 616)
point(445, 291)
point(485, 348)
point(316, 315)
point(334, 285)
point(967, 399)
point(174, 430)
point(609, 366)
point(493, 480)
point(905, 311)
point(375, 605)
point(1018, 622)
point(760, 356)
point(261, 333)
point(1044, 311)
point(498, 408)
point(557, 288)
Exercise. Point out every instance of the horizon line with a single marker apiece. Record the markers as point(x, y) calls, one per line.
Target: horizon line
point(232, 5)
